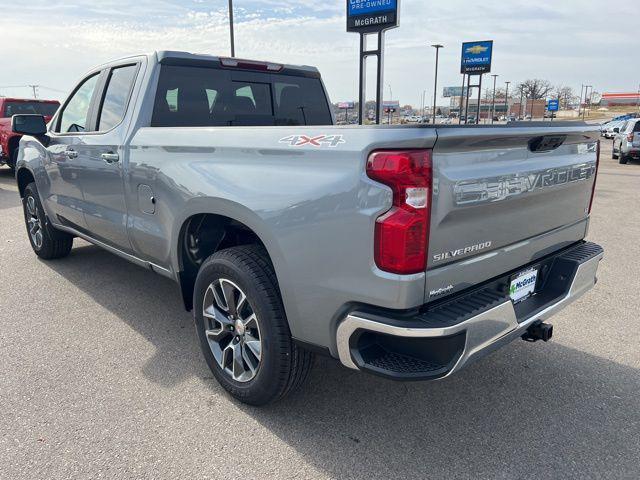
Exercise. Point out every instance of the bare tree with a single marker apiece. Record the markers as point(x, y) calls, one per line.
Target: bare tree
point(566, 95)
point(535, 89)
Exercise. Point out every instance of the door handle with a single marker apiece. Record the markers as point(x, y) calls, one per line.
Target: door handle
point(110, 157)
point(70, 154)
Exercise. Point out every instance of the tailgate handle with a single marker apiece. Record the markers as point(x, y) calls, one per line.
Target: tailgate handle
point(546, 143)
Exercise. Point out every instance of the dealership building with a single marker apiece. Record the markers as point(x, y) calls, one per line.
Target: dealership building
point(620, 99)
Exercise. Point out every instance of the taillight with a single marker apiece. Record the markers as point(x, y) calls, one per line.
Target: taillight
point(630, 137)
point(402, 233)
point(595, 176)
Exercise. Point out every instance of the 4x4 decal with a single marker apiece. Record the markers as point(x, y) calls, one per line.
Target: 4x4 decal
point(331, 141)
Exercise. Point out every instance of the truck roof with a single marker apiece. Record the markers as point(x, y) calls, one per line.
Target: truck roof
point(170, 57)
point(16, 99)
point(197, 59)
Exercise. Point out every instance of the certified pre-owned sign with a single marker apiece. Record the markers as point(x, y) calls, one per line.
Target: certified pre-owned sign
point(367, 16)
point(476, 57)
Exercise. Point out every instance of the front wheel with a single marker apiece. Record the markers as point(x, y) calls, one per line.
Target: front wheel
point(614, 155)
point(242, 327)
point(47, 242)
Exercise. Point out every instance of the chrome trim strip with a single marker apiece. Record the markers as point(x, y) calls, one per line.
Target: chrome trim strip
point(131, 258)
point(485, 332)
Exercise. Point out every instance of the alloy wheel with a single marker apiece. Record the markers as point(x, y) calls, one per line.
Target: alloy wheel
point(232, 330)
point(34, 223)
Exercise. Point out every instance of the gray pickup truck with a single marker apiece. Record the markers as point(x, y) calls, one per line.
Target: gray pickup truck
point(406, 251)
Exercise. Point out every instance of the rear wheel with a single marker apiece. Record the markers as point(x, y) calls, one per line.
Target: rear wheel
point(614, 155)
point(47, 242)
point(242, 327)
point(623, 159)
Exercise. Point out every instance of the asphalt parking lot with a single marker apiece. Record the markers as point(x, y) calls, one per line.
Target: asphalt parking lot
point(101, 377)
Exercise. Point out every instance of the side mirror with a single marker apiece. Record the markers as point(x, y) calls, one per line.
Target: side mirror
point(29, 124)
point(616, 130)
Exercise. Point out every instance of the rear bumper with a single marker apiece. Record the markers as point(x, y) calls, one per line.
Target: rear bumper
point(444, 338)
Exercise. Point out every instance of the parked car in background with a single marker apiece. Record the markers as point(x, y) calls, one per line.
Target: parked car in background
point(612, 129)
point(19, 106)
point(626, 143)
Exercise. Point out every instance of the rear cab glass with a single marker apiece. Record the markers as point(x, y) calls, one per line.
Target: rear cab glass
point(190, 96)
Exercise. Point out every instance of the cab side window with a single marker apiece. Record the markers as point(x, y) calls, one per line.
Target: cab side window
point(74, 116)
point(116, 97)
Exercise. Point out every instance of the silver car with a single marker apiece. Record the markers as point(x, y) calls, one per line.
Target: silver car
point(626, 142)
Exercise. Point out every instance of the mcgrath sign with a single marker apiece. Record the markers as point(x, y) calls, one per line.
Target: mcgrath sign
point(368, 16)
point(553, 105)
point(476, 57)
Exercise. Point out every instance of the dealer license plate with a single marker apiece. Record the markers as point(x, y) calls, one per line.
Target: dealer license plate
point(523, 285)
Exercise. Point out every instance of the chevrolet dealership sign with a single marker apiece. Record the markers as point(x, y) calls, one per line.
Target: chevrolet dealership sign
point(368, 16)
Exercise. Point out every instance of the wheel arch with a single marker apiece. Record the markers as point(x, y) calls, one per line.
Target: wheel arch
point(24, 177)
point(221, 224)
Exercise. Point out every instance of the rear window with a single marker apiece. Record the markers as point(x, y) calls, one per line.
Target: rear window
point(23, 108)
point(636, 127)
point(202, 97)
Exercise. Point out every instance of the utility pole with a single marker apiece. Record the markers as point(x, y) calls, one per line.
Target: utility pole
point(493, 101)
point(506, 101)
point(521, 100)
point(584, 110)
point(35, 90)
point(424, 98)
point(580, 103)
point(437, 46)
point(233, 43)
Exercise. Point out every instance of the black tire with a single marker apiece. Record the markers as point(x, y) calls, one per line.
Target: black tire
point(623, 159)
point(283, 365)
point(51, 243)
point(13, 158)
point(614, 155)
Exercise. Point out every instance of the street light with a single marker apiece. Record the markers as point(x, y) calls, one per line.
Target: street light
point(233, 45)
point(437, 46)
point(493, 101)
point(423, 104)
point(506, 100)
point(586, 89)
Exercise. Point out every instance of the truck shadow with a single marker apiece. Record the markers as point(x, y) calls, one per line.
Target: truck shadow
point(528, 411)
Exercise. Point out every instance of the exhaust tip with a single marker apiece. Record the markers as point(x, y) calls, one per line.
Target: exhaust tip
point(538, 331)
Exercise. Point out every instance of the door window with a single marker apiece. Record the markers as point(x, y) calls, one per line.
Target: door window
point(74, 117)
point(116, 97)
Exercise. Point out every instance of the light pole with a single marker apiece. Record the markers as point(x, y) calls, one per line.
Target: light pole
point(424, 98)
point(584, 110)
point(506, 100)
point(233, 44)
point(437, 46)
point(580, 103)
point(493, 101)
point(389, 114)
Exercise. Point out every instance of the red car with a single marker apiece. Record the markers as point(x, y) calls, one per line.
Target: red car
point(14, 106)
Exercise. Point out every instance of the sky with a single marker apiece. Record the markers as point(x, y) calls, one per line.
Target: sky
point(569, 42)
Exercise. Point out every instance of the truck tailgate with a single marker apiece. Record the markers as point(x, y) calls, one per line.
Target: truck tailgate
point(504, 197)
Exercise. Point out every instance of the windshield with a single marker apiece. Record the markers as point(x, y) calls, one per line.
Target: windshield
point(39, 108)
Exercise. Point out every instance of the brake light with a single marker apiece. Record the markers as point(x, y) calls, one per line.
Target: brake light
point(595, 176)
point(251, 65)
point(630, 137)
point(402, 233)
